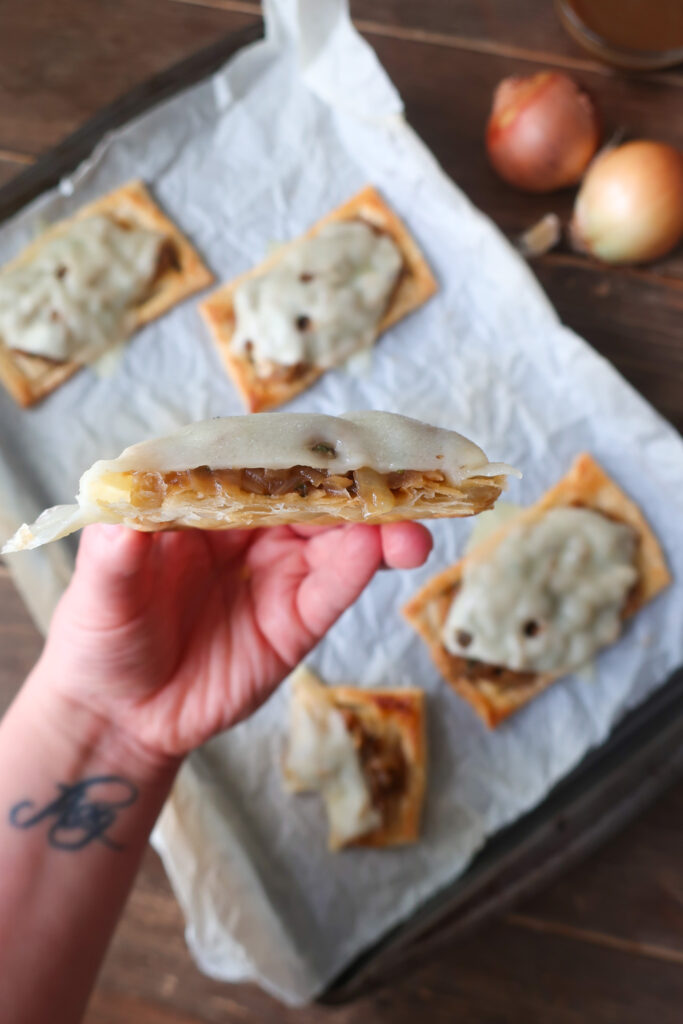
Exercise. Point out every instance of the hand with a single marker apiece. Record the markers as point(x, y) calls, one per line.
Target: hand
point(172, 637)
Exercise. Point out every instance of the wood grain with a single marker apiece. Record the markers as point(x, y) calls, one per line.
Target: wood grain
point(525, 28)
point(638, 898)
point(11, 166)
point(605, 942)
point(448, 95)
point(20, 642)
point(63, 59)
point(632, 318)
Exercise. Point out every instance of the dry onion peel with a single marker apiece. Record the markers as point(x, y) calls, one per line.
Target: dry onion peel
point(630, 206)
point(541, 237)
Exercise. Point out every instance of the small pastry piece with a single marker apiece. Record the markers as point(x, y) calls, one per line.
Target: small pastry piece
point(317, 300)
point(542, 595)
point(364, 751)
point(372, 467)
point(86, 283)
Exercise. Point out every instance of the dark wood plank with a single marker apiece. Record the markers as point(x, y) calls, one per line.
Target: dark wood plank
point(556, 959)
point(114, 1007)
point(631, 888)
point(631, 317)
point(63, 60)
point(448, 96)
point(429, 66)
point(9, 167)
point(525, 28)
point(581, 951)
point(502, 975)
point(20, 642)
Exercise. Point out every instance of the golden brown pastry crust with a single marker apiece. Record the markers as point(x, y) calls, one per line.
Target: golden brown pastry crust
point(416, 284)
point(401, 711)
point(496, 694)
point(30, 378)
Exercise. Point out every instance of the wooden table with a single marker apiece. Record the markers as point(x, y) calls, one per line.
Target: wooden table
point(606, 942)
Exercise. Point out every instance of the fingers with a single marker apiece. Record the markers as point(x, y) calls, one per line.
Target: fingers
point(309, 529)
point(342, 561)
point(227, 545)
point(110, 562)
point(405, 545)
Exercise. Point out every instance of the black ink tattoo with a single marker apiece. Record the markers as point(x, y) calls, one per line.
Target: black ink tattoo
point(79, 818)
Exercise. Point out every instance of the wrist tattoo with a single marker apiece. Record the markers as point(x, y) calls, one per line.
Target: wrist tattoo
point(79, 817)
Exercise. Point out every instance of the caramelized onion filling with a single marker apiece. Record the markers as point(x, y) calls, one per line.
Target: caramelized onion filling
point(377, 492)
point(382, 760)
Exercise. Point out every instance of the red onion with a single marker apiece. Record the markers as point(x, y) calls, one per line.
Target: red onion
point(543, 131)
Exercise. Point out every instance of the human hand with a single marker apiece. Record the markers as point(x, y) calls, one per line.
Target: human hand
point(172, 637)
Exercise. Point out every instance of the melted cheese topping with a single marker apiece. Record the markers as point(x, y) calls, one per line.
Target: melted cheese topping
point(77, 292)
point(384, 441)
point(321, 301)
point(548, 597)
point(322, 756)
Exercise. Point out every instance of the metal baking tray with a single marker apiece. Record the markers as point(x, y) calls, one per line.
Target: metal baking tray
point(612, 784)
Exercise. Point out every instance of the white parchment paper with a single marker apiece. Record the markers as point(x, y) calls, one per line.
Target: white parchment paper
point(287, 130)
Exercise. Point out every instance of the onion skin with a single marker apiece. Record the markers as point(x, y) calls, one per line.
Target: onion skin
point(630, 206)
point(543, 131)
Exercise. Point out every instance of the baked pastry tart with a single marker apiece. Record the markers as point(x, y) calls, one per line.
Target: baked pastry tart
point(244, 471)
point(542, 595)
point(364, 751)
point(316, 301)
point(86, 283)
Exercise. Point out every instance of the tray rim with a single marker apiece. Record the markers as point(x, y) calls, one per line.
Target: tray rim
point(642, 755)
point(63, 158)
point(609, 787)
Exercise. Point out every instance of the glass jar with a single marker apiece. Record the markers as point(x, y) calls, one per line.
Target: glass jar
point(639, 35)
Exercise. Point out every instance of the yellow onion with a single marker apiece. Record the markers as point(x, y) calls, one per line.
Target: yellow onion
point(543, 131)
point(373, 492)
point(630, 206)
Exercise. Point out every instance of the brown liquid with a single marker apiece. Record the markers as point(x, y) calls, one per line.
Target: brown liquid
point(644, 26)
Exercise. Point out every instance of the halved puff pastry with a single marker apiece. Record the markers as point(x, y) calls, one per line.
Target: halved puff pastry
point(245, 471)
point(176, 272)
point(495, 691)
point(365, 752)
point(414, 284)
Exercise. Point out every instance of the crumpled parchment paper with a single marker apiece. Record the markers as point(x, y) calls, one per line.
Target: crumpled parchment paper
point(291, 127)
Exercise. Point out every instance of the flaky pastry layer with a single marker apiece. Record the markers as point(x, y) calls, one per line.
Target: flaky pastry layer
point(214, 499)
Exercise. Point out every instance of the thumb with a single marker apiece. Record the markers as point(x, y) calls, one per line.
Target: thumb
point(106, 584)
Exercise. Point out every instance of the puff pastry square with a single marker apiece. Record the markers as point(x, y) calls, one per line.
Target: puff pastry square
point(380, 722)
point(30, 378)
point(495, 692)
point(415, 285)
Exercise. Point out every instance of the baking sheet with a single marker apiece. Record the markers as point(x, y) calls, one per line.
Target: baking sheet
point(288, 129)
